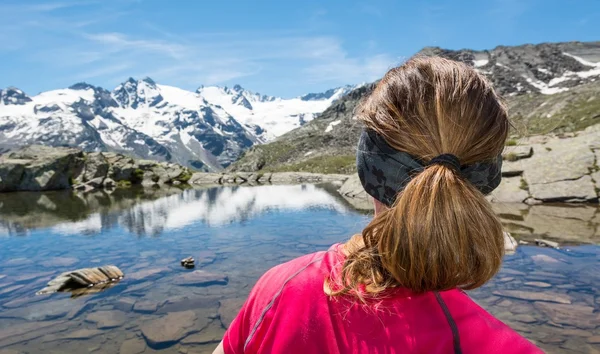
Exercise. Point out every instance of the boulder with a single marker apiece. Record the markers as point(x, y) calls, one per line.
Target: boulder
point(514, 153)
point(96, 183)
point(510, 190)
point(40, 168)
point(96, 166)
point(168, 330)
point(568, 161)
point(578, 190)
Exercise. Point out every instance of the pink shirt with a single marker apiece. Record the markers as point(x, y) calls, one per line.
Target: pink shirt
point(287, 311)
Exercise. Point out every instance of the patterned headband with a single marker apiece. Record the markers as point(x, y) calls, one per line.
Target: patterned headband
point(384, 171)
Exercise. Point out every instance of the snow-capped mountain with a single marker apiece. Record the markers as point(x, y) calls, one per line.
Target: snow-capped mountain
point(545, 68)
point(275, 115)
point(207, 129)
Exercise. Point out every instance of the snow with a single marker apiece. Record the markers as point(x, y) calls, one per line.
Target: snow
point(331, 125)
point(545, 88)
point(180, 97)
point(588, 73)
point(480, 62)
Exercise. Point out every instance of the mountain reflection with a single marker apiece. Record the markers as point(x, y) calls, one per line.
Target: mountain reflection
point(153, 211)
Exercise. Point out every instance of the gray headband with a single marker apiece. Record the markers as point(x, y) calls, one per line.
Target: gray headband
point(384, 171)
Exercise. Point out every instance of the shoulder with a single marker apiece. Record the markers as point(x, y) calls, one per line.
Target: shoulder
point(478, 329)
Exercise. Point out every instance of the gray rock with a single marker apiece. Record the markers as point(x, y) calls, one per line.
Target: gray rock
point(510, 190)
point(133, 346)
point(205, 178)
point(514, 153)
point(96, 183)
point(569, 161)
point(578, 190)
point(168, 330)
point(109, 183)
point(96, 166)
point(513, 168)
point(39, 168)
point(145, 306)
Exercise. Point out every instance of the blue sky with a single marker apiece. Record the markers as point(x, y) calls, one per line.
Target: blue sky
point(282, 48)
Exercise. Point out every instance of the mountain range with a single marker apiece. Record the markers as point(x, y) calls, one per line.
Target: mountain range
point(548, 87)
point(206, 129)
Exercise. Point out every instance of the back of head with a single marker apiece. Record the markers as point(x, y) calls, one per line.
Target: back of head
point(440, 232)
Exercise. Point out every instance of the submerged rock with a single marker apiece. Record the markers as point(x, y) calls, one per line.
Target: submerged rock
point(85, 278)
point(107, 319)
point(168, 330)
point(534, 296)
point(201, 278)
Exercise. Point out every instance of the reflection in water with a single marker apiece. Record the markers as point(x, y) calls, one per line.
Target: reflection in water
point(237, 233)
point(152, 211)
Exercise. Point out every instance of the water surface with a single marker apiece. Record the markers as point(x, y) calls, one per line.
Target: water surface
point(236, 233)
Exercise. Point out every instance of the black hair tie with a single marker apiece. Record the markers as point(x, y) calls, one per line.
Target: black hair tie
point(447, 160)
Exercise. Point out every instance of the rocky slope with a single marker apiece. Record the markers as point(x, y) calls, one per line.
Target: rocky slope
point(206, 130)
point(569, 102)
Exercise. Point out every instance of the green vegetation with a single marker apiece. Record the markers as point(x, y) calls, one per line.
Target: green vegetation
point(71, 181)
point(511, 142)
point(511, 156)
point(184, 177)
point(524, 186)
point(548, 148)
point(123, 183)
point(137, 176)
point(321, 164)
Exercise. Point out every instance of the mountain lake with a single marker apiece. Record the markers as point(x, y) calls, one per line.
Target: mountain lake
point(235, 234)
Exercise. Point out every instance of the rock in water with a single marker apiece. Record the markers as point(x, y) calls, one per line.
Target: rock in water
point(83, 279)
point(168, 330)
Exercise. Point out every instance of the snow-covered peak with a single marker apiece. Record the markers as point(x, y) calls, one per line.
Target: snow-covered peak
point(13, 96)
point(332, 94)
point(135, 93)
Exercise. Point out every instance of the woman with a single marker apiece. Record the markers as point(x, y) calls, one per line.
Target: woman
point(430, 151)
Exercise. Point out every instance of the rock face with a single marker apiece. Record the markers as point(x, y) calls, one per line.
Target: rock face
point(39, 168)
point(42, 168)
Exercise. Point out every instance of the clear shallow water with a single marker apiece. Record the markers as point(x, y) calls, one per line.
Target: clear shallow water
point(238, 233)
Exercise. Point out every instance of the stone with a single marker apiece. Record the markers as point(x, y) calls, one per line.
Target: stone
point(568, 161)
point(580, 316)
point(145, 306)
point(524, 318)
point(546, 243)
point(538, 284)
point(109, 183)
point(133, 346)
point(518, 152)
point(142, 274)
point(184, 303)
point(168, 330)
point(107, 319)
point(513, 168)
point(510, 190)
point(96, 166)
point(82, 334)
point(209, 335)
point(124, 304)
point(579, 190)
point(40, 311)
point(593, 339)
point(22, 332)
point(39, 168)
point(534, 296)
point(96, 183)
point(83, 278)
point(354, 193)
point(201, 278)
point(229, 309)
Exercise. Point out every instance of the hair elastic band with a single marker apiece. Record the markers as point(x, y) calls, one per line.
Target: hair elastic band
point(449, 160)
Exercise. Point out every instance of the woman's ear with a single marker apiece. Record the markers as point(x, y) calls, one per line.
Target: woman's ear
point(379, 206)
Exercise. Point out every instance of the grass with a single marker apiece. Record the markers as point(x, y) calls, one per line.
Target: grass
point(322, 164)
point(511, 156)
point(524, 186)
point(124, 183)
point(185, 176)
point(548, 148)
point(511, 142)
point(137, 176)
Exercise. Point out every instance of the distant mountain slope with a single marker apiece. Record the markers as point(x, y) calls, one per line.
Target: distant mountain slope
point(568, 100)
point(207, 129)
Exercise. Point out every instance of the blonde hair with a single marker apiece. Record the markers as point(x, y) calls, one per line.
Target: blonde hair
point(440, 233)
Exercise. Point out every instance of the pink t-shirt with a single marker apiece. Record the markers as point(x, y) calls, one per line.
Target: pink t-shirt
point(288, 311)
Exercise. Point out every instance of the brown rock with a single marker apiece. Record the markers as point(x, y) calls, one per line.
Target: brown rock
point(168, 330)
point(201, 278)
point(133, 346)
point(107, 319)
point(579, 316)
point(211, 334)
point(524, 318)
point(82, 334)
point(534, 296)
point(145, 306)
point(594, 339)
point(184, 303)
point(229, 309)
point(27, 331)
